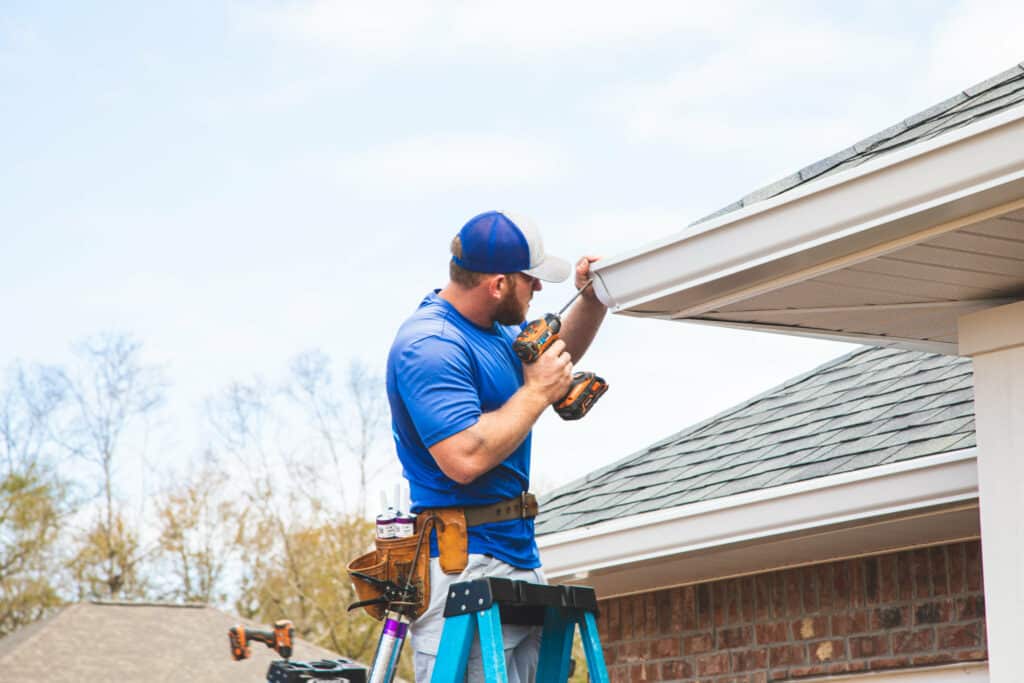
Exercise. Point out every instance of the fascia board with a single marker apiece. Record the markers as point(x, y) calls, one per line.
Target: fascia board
point(866, 205)
point(760, 515)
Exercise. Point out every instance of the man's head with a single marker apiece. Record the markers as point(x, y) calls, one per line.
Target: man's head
point(501, 259)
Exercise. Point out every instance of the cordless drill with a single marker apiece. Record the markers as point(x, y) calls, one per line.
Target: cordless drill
point(586, 387)
point(279, 640)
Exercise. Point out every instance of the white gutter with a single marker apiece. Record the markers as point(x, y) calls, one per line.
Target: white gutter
point(879, 492)
point(881, 205)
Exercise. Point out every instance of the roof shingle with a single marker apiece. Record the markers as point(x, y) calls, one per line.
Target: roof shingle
point(870, 407)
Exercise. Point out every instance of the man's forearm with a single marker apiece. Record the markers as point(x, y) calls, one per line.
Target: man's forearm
point(581, 324)
point(478, 449)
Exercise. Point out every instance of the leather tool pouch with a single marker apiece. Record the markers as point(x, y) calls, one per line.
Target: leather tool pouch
point(391, 561)
point(452, 539)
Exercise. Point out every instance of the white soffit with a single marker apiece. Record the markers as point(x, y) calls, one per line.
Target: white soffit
point(889, 252)
point(918, 502)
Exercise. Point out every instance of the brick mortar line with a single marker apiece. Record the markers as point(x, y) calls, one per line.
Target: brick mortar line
point(791, 619)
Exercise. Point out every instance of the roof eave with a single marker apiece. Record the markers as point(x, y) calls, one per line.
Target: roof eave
point(898, 199)
point(918, 502)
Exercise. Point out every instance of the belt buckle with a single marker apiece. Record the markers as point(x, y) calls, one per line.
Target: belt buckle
point(522, 505)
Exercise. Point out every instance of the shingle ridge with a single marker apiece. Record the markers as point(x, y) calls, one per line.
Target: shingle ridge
point(873, 144)
point(148, 603)
point(694, 429)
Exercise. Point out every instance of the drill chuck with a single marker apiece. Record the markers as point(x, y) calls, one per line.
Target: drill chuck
point(537, 337)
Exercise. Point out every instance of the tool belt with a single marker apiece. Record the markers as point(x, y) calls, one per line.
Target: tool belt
point(393, 558)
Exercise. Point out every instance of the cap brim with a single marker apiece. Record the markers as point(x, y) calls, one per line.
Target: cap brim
point(551, 269)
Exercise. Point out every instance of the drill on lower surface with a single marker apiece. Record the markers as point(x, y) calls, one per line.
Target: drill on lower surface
point(278, 640)
point(534, 340)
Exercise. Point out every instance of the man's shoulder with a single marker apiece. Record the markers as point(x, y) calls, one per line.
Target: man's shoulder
point(433, 330)
point(432, 320)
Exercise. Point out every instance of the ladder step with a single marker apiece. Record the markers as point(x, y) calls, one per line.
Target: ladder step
point(517, 600)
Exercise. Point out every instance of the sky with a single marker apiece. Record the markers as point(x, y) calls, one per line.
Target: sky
point(236, 182)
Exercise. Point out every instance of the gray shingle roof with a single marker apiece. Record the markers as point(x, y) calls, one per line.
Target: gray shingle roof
point(973, 104)
point(138, 642)
point(870, 407)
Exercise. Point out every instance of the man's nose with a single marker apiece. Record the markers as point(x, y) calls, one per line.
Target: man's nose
point(537, 284)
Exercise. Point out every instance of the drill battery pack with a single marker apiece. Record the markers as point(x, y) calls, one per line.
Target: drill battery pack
point(339, 670)
point(584, 391)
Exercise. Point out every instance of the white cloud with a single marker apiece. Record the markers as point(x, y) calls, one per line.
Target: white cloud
point(384, 30)
point(753, 89)
point(387, 31)
point(440, 163)
point(977, 40)
point(611, 232)
point(536, 27)
point(20, 48)
point(832, 78)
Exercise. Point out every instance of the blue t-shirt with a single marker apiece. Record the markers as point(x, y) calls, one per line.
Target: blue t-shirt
point(443, 372)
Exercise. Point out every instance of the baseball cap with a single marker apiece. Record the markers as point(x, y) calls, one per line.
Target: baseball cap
point(498, 242)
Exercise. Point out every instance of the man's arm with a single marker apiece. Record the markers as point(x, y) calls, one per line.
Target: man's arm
point(585, 317)
point(478, 449)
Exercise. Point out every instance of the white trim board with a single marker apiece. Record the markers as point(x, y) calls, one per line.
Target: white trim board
point(917, 502)
point(973, 672)
point(902, 198)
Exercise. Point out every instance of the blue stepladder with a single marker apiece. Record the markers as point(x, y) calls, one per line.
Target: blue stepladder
point(481, 606)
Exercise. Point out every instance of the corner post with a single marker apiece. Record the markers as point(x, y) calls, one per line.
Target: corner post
point(994, 339)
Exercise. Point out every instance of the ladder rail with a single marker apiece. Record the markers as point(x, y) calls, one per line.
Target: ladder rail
point(592, 647)
point(474, 610)
point(492, 644)
point(555, 646)
point(453, 654)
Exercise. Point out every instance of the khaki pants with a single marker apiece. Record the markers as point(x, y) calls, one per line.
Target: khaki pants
point(522, 643)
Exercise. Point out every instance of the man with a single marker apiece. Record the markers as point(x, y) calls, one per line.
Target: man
point(463, 405)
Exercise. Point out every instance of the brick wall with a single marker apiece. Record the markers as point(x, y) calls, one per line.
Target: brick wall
point(915, 608)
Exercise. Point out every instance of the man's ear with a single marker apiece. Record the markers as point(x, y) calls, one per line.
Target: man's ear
point(497, 285)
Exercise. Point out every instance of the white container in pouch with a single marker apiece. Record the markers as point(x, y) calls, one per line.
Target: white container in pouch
point(386, 524)
point(405, 524)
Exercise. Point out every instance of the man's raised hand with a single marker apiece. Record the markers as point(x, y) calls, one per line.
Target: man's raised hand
point(551, 374)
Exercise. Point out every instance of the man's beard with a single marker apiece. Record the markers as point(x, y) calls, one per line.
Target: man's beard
point(509, 311)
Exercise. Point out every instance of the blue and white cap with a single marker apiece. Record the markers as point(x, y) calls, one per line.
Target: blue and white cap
point(498, 242)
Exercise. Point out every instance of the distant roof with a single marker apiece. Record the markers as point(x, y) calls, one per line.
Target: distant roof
point(870, 407)
point(129, 642)
point(973, 104)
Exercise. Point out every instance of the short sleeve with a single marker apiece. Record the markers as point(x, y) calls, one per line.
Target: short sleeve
point(435, 382)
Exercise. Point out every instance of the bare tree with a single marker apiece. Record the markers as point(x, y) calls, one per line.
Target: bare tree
point(198, 526)
point(311, 387)
point(298, 448)
point(366, 393)
point(111, 391)
point(34, 500)
point(348, 419)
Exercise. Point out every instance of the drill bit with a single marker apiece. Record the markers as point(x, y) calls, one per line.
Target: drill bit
point(574, 297)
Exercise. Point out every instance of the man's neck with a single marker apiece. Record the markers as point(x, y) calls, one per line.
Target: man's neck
point(468, 304)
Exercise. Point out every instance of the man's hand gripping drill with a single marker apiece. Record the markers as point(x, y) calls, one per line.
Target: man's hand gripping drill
point(540, 336)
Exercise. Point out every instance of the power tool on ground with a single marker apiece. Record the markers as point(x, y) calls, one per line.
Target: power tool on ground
point(535, 339)
point(279, 640)
point(286, 670)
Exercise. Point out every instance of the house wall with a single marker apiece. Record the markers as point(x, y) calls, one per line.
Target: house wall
point(916, 608)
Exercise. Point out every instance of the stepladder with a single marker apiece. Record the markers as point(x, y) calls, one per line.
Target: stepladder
point(477, 610)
